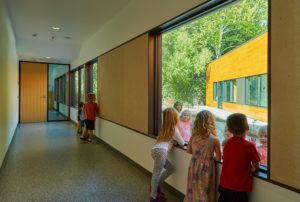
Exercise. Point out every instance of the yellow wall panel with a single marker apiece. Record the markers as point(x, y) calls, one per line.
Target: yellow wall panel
point(123, 84)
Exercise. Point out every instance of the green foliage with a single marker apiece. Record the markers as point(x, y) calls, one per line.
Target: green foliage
point(189, 49)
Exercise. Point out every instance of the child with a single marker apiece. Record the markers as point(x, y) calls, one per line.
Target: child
point(90, 109)
point(169, 133)
point(185, 124)
point(263, 149)
point(226, 135)
point(204, 147)
point(240, 157)
point(178, 106)
point(80, 118)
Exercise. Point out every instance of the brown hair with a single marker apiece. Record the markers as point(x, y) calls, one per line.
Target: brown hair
point(204, 124)
point(91, 96)
point(170, 122)
point(237, 123)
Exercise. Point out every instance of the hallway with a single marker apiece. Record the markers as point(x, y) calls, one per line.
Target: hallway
point(48, 162)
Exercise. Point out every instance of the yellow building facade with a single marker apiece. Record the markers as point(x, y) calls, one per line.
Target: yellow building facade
point(237, 81)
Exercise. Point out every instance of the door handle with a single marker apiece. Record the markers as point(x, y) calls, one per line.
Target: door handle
point(44, 96)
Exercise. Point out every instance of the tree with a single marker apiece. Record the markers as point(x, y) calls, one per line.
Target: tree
point(189, 49)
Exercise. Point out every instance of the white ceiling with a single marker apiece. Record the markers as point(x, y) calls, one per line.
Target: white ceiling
point(78, 19)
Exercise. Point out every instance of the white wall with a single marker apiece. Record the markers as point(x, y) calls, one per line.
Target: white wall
point(73, 114)
point(9, 78)
point(64, 109)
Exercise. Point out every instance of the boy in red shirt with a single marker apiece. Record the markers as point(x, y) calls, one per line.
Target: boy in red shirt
point(240, 158)
point(90, 109)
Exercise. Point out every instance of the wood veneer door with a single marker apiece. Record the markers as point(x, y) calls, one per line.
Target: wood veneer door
point(33, 92)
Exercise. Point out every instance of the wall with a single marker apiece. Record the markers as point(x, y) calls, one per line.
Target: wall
point(9, 78)
point(285, 92)
point(247, 60)
point(127, 25)
point(64, 109)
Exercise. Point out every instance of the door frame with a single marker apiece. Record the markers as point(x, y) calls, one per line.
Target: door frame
point(20, 61)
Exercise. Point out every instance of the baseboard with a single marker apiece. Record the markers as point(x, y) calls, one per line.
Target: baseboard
point(170, 188)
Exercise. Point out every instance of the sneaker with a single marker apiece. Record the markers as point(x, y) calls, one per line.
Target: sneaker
point(159, 193)
point(153, 199)
point(83, 137)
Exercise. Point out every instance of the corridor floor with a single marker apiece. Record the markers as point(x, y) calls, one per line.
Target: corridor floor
point(48, 162)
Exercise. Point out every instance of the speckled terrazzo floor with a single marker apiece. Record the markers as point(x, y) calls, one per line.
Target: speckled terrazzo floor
point(48, 162)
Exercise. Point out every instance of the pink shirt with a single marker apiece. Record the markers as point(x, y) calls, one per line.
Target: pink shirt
point(185, 130)
point(263, 154)
point(90, 110)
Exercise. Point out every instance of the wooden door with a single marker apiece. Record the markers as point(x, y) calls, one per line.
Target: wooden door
point(33, 92)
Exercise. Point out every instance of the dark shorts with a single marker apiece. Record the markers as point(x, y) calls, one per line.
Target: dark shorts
point(82, 123)
point(228, 195)
point(89, 124)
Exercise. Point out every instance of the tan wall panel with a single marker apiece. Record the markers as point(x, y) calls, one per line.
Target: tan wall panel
point(123, 85)
point(33, 88)
point(285, 92)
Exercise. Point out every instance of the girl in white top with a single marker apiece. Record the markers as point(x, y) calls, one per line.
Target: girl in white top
point(169, 134)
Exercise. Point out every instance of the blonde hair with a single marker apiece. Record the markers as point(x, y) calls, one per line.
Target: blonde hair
point(204, 125)
point(91, 96)
point(185, 111)
point(263, 129)
point(170, 122)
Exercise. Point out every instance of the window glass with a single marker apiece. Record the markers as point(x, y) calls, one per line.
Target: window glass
point(82, 89)
point(252, 90)
point(264, 91)
point(95, 75)
point(204, 66)
point(215, 91)
point(76, 87)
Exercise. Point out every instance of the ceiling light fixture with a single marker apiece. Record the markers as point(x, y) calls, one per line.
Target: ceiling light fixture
point(55, 28)
point(48, 57)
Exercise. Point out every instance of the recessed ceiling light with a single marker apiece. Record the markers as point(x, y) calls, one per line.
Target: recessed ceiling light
point(48, 57)
point(55, 28)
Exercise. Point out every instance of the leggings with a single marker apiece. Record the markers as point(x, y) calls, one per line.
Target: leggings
point(160, 161)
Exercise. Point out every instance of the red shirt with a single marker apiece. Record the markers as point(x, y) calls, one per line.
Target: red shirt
point(238, 154)
point(90, 110)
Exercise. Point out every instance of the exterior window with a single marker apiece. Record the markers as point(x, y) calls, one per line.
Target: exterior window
point(215, 93)
point(95, 77)
point(230, 91)
point(61, 89)
point(74, 88)
point(256, 90)
point(82, 85)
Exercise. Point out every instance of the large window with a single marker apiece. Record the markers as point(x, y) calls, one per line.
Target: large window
point(256, 90)
point(83, 81)
point(95, 77)
point(212, 63)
